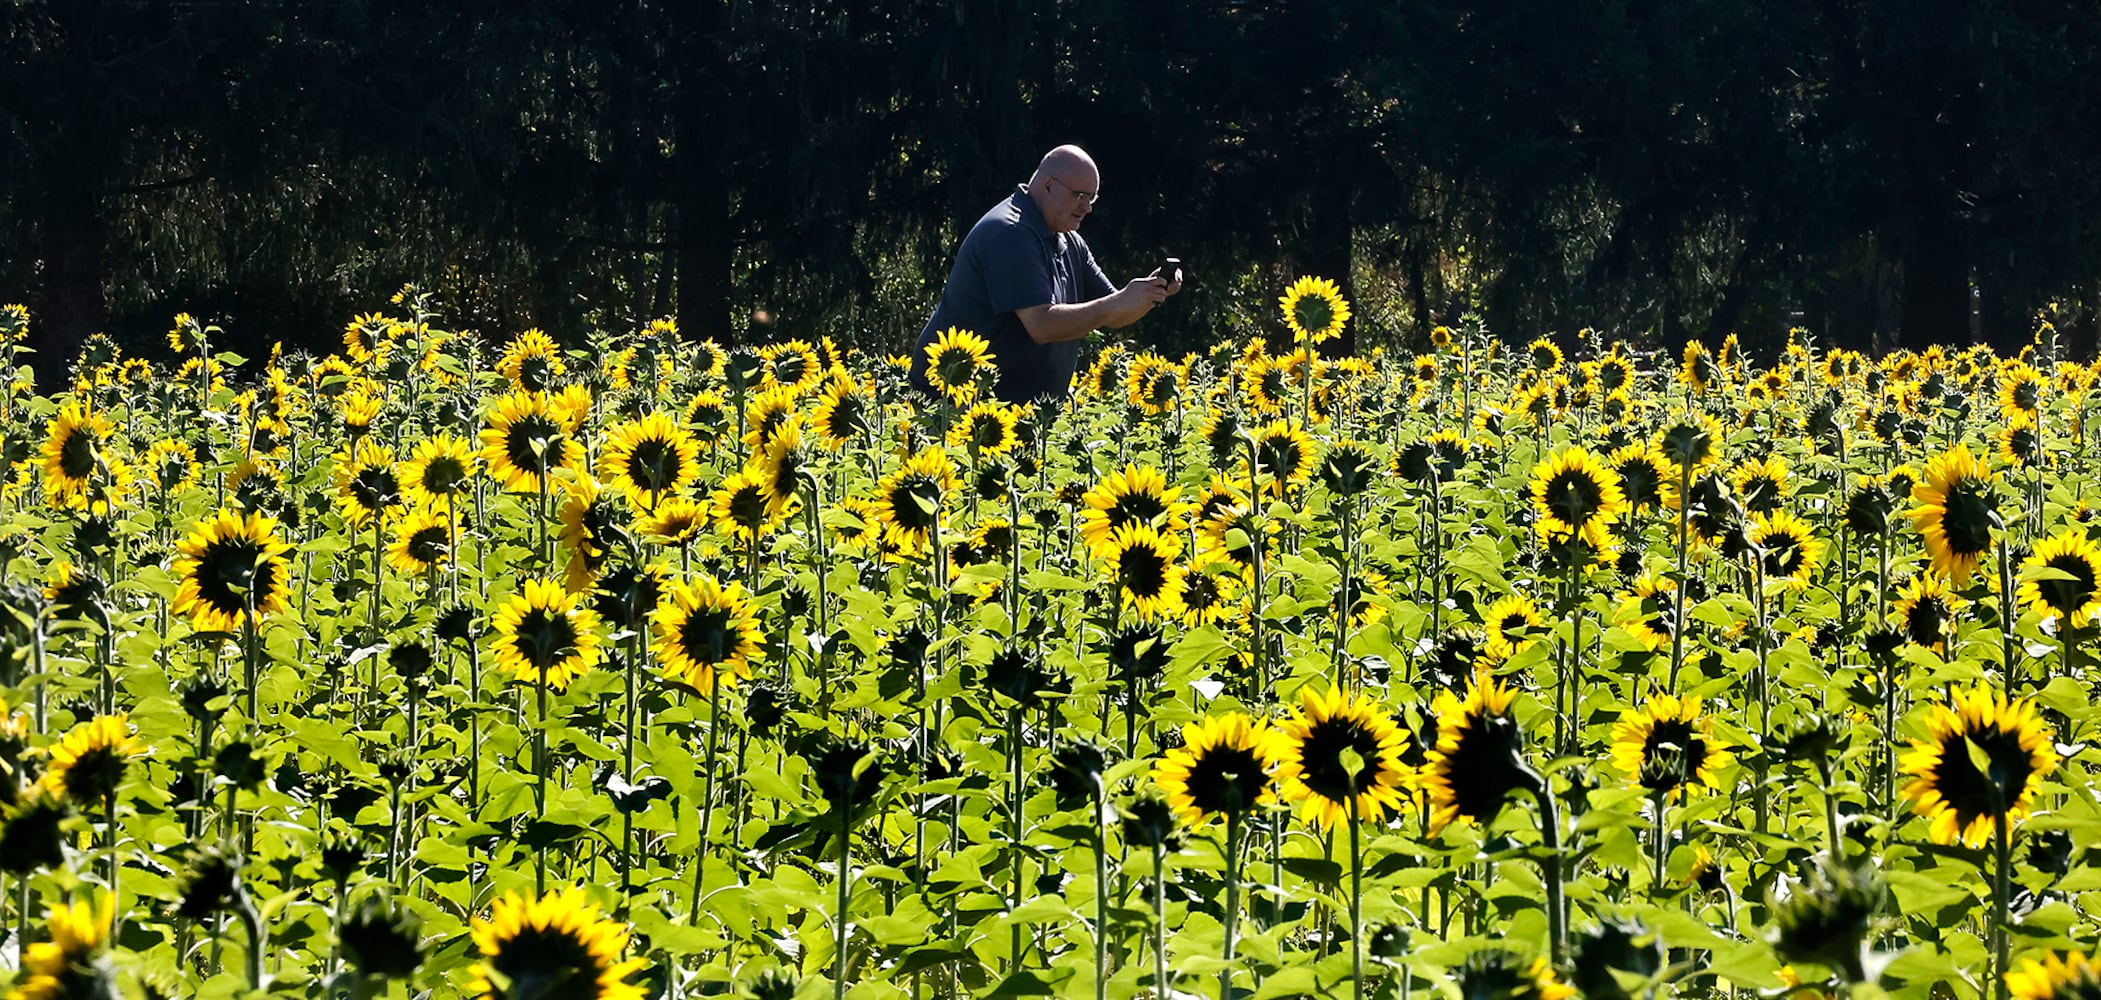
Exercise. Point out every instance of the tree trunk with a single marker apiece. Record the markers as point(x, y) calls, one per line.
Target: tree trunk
point(74, 247)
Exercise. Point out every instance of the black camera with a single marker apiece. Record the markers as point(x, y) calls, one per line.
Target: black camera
point(1170, 269)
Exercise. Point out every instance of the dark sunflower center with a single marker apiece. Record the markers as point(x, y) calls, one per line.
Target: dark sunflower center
point(1973, 793)
point(1279, 456)
point(376, 488)
point(231, 573)
point(1314, 313)
point(913, 503)
point(706, 637)
point(1485, 768)
point(1574, 496)
point(654, 465)
point(1201, 592)
point(1926, 621)
point(442, 475)
point(1227, 780)
point(987, 431)
point(2027, 395)
point(785, 472)
point(1142, 570)
point(1967, 519)
point(536, 372)
point(1320, 759)
point(956, 366)
point(76, 454)
point(1273, 383)
point(94, 775)
point(171, 472)
point(428, 544)
point(846, 418)
point(1762, 494)
point(545, 638)
point(788, 369)
point(1783, 555)
point(533, 444)
point(2067, 596)
point(1641, 480)
point(1686, 444)
point(1135, 508)
point(1676, 736)
point(543, 963)
point(748, 506)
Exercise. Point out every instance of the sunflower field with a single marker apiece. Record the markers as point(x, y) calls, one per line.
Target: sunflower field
point(631, 666)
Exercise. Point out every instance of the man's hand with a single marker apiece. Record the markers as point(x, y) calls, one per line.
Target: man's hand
point(1141, 295)
point(1172, 287)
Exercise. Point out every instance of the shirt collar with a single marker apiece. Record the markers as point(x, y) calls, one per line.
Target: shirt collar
point(1031, 216)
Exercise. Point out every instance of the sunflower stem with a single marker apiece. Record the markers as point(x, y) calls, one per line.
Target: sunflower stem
point(1014, 817)
point(1162, 986)
point(845, 880)
point(1101, 895)
point(1550, 836)
point(2002, 876)
point(1678, 591)
point(1356, 902)
point(707, 796)
point(1661, 848)
point(1838, 848)
point(2006, 620)
point(540, 787)
point(1232, 915)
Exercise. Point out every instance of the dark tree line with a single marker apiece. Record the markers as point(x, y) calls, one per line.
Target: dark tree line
point(1885, 172)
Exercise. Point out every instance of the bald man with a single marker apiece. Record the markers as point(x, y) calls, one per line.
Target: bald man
point(1026, 282)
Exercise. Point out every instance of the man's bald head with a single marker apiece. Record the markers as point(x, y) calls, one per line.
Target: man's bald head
point(1064, 187)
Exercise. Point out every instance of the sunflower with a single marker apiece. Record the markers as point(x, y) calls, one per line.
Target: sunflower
point(784, 464)
point(2020, 391)
point(989, 427)
point(909, 501)
point(1312, 770)
point(1698, 370)
point(1133, 495)
point(706, 633)
point(1509, 624)
point(1153, 383)
point(1502, 974)
point(591, 522)
point(232, 570)
point(1646, 477)
point(2020, 443)
point(439, 471)
point(1314, 309)
point(1791, 549)
point(532, 362)
point(1264, 384)
point(359, 406)
point(1223, 767)
point(367, 483)
point(768, 412)
point(88, 763)
point(170, 467)
point(708, 416)
point(1666, 744)
point(1576, 497)
point(556, 946)
point(859, 525)
point(365, 338)
point(1440, 337)
point(1961, 801)
point(1546, 358)
point(2069, 978)
point(544, 632)
point(422, 542)
point(70, 964)
point(1478, 760)
point(792, 365)
point(1142, 568)
point(675, 522)
point(1925, 609)
point(1691, 444)
point(844, 412)
point(1956, 512)
point(956, 361)
point(2071, 590)
point(1283, 456)
point(1762, 484)
point(77, 454)
point(650, 460)
point(1210, 588)
point(743, 506)
point(1647, 613)
point(528, 437)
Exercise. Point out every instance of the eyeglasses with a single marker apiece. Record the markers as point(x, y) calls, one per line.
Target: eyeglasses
point(1086, 197)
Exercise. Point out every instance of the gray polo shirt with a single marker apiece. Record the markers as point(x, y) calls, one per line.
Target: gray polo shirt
point(1010, 261)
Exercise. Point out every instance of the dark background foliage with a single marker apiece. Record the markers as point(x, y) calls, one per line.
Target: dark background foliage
point(1885, 172)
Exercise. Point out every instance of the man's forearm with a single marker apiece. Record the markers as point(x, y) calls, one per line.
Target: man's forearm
point(1059, 323)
